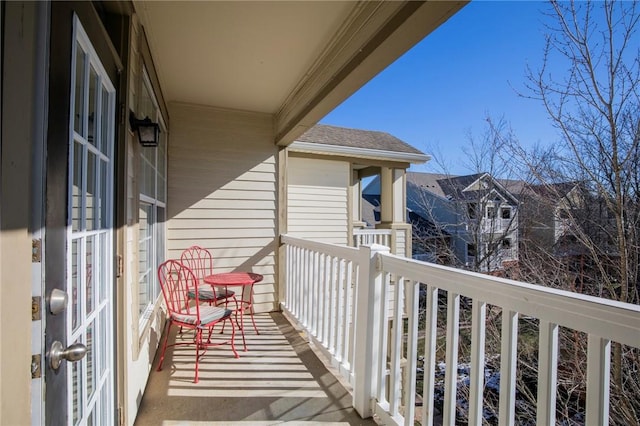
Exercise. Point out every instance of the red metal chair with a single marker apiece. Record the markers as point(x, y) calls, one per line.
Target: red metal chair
point(200, 261)
point(178, 282)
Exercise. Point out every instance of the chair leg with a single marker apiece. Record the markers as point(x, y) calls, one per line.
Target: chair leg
point(251, 312)
point(198, 346)
point(233, 337)
point(164, 346)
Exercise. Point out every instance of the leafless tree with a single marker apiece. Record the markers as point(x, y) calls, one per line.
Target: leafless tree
point(594, 103)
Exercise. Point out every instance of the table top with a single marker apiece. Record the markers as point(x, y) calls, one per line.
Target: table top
point(233, 278)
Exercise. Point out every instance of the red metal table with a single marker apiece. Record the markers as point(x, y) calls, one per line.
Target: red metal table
point(246, 280)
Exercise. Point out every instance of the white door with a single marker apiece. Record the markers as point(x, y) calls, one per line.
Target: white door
point(86, 392)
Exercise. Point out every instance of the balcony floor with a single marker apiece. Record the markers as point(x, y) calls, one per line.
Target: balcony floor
point(279, 380)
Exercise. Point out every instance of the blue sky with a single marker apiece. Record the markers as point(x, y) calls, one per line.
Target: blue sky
point(440, 91)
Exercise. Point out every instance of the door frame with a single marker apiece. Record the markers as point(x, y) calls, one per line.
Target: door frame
point(57, 172)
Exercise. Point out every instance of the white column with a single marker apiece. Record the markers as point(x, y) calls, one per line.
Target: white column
point(386, 195)
point(399, 199)
point(356, 201)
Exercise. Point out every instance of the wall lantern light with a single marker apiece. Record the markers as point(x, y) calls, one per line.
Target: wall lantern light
point(148, 131)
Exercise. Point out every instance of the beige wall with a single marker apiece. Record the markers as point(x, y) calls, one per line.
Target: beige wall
point(317, 199)
point(222, 185)
point(18, 124)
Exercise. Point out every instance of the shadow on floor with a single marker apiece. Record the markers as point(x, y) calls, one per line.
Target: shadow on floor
point(279, 380)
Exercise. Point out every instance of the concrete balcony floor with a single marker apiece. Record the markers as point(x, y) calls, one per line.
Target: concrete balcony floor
point(279, 380)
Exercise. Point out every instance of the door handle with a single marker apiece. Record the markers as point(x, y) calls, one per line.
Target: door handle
point(72, 353)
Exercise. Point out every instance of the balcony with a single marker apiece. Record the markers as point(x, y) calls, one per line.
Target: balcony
point(347, 302)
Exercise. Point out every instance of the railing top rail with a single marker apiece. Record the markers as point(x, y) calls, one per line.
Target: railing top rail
point(343, 252)
point(617, 321)
point(370, 231)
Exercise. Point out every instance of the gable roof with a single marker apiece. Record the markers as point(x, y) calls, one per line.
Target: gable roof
point(324, 139)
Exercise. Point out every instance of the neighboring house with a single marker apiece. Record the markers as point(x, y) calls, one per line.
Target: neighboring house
point(545, 221)
point(88, 212)
point(469, 221)
point(568, 223)
point(490, 213)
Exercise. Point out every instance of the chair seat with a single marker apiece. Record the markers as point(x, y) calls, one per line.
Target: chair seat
point(205, 292)
point(208, 314)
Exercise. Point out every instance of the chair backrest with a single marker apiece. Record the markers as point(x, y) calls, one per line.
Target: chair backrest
point(199, 260)
point(176, 282)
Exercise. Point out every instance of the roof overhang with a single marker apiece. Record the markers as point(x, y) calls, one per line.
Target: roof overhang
point(362, 153)
point(294, 60)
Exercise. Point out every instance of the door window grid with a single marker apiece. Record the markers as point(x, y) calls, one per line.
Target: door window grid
point(152, 172)
point(89, 260)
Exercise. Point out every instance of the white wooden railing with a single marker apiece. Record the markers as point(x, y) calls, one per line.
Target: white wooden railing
point(367, 236)
point(339, 295)
point(320, 285)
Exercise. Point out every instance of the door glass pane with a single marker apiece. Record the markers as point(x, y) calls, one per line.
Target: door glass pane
point(105, 403)
point(102, 201)
point(90, 208)
point(93, 98)
point(104, 145)
point(90, 273)
point(101, 287)
point(76, 195)
point(75, 284)
point(76, 390)
point(91, 361)
point(78, 117)
point(102, 353)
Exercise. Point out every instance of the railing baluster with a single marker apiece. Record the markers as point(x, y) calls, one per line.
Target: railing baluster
point(598, 369)
point(339, 328)
point(451, 358)
point(409, 392)
point(395, 375)
point(429, 373)
point(313, 311)
point(383, 326)
point(478, 329)
point(349, 330)
point(333, 306)
point(309, 285)
point(322, 294)
point(508, 367)
point(547, 373)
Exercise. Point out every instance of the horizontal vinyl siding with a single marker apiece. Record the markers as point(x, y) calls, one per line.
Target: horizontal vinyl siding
point(317, 199)
point(222, 191)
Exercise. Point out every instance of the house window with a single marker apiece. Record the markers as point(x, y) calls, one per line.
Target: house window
point(152, 205)
point(471, 250)
point(505, 213)
point(471, 210)
point(491, 212)
point(506, 243)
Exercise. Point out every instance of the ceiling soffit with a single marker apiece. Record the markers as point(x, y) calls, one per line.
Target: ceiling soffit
point(295, 60)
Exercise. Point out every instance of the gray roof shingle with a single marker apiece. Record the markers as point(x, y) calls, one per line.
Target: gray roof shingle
point(355, 138)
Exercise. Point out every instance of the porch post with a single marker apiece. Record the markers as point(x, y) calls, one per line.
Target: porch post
point(393, 207)
point(367, 329)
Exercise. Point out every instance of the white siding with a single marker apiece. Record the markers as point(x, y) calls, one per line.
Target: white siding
point(401, 243)
point(222, 191)
point(317, 199)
